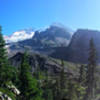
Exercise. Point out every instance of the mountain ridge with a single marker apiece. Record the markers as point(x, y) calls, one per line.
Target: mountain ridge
point(28, 33)
point(58, 42)
point(51, 37)
point(78, 48)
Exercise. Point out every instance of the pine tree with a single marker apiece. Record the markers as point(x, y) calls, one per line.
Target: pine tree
point(29, 85)
point(5, 69)
point(82, 76)
point(2, 47)
point(62, 81)
point(3, 56)
point(91, 68)
point(62, 76)
point(56, 90)
point(48, 93)
point(72, 94)
point(59, 89)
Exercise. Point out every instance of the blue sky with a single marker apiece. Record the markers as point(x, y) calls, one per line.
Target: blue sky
point(20, 14)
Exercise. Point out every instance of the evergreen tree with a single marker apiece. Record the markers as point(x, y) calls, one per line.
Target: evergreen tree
point(5, 68)
point(82, 75)
point(56, 90)
point(62, 76)
point(3, 56)
point(62, 81)
point(71, 91)
point(74, 90)
point(59, 88)
point(48, 93)
point(91, 68)
point(29, 85)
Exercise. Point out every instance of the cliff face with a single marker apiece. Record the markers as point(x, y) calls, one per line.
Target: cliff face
point(78, 48)
point(45, 64)
point(35, 60)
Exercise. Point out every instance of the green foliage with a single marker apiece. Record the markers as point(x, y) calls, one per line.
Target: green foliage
point(71, 93)
point(62, 76)
point(28, 84)
point(5, 68)
point(8, 93)
point(47, 87)
point(75, 91)
point(80, 90)
point(82, 75)
point(91, 70)
point(3, 56)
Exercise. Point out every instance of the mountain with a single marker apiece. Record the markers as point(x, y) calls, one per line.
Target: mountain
point(53, 36)
point(19, 35)
point(58, 42)
point(44, 40)
point(79, 45)
point(45, 63)
point(78, 49)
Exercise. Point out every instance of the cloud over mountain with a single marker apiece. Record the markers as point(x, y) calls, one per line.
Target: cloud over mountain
point(19, 35)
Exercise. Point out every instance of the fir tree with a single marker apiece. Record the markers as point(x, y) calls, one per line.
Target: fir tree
point(29, 85)
point(91, 69)
point(3, 54)
point(5, 68)
point(56, 90)
point(59, 89)
point(82, 75)
point(71, 91)
point(62, 81)
point(48, 93)
point(62, 76)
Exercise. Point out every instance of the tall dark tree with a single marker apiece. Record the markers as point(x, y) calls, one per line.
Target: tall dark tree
point(71, 95)
point(91, 69)
point(82, 75)
point(63, 81)
point(60, 84)
point(3, 54)
point(28, 84)
point(48, 93)
point(62, 76)
point(56, 90)
point(5, 69)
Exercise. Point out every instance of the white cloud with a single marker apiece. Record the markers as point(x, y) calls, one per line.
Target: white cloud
point(19, 36)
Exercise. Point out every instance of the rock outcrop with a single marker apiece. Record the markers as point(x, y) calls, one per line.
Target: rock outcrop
point(44, 63)
point(78, 48)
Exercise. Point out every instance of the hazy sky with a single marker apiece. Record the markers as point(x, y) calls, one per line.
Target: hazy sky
point(20, 14)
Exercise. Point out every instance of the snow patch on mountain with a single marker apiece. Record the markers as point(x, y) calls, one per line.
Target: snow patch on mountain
point(19, 36)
